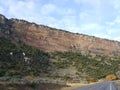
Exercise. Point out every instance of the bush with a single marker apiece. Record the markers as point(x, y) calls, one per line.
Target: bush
point(111, 77)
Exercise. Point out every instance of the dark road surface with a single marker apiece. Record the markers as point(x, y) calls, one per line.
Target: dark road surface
point(101, 86)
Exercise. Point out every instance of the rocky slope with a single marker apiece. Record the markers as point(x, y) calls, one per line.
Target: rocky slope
point(51, 39)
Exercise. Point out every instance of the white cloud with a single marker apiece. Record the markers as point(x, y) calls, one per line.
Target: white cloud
point(21, 8)
point(111, 31)
point(117, 20)
point(67, 23)
point(67, 11)
point(116, 4)
point(87, 17)
point(18, 8)
point(116, 38)
point(114, 22)
point(48, 8)
point(84, 15)
point(47, 20)
point(95, 3)
point(102, 35)
point(52, 8)
point(111, 34)
point(60, 1)
point(2, 10)
point(94, 27)
point(110, 23)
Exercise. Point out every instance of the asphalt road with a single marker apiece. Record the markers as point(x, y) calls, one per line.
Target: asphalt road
point(101, 86)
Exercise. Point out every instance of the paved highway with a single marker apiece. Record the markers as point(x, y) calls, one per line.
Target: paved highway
point(101, 86)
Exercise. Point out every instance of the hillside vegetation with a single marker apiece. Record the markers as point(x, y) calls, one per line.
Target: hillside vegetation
point(20, 60)
point(87, 65)
point(17, 59)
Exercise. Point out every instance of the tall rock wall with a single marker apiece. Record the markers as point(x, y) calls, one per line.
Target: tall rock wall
point(51, 39)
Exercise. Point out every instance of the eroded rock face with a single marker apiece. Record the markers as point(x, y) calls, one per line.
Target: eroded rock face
point(51, 39)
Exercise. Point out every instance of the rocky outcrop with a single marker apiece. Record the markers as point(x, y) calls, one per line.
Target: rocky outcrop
point(51, 39)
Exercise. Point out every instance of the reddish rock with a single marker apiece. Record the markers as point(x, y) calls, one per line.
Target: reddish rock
point(51, 39)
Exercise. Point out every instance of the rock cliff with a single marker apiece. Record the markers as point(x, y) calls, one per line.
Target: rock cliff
point(51, 39)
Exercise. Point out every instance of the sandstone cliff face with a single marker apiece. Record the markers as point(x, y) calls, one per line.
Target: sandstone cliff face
point(51, 39)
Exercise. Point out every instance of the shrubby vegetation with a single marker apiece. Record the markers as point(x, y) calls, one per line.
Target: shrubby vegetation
point(93, 66)
point(18, 60)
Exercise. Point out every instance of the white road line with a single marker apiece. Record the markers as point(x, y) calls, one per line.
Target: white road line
point(110, 86)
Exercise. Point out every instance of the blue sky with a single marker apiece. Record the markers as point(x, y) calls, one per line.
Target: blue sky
point(99, 18)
